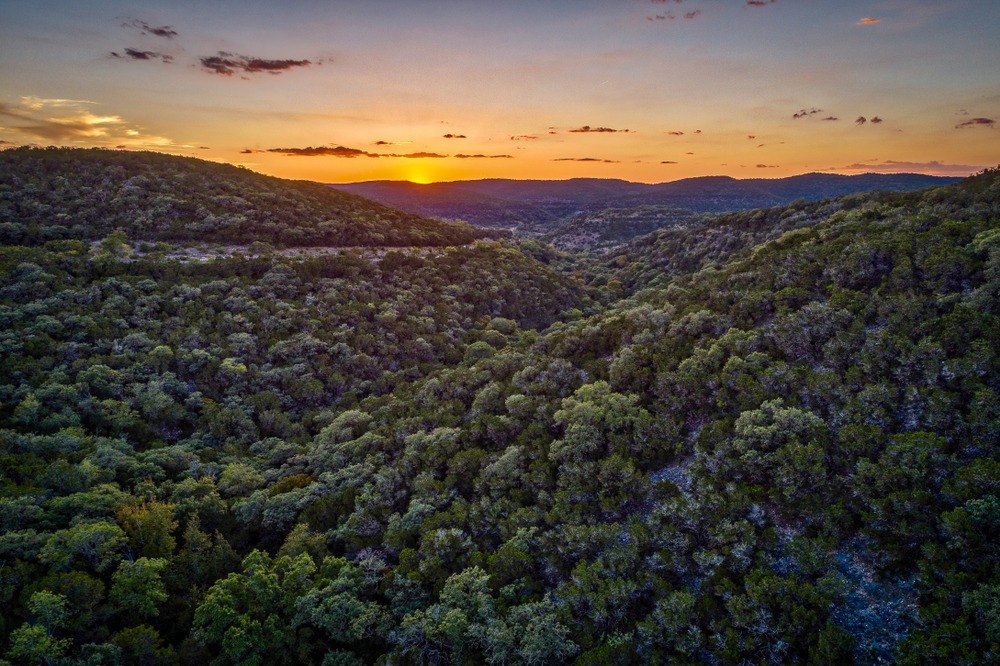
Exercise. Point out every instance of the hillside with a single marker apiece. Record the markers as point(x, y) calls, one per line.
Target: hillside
point(59, 193)
point(766, 437)
point(534, 206)
point(612, 227)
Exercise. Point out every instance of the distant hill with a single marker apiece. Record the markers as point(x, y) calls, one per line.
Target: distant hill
point(64, 193)
point(534, 206)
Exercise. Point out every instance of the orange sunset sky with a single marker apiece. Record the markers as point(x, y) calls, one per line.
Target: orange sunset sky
point(442, 90)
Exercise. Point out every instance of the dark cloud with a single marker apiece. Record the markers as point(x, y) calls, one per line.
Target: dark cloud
point(136, 54)
point(751, 136)
point(203, 148)
point(697, 132)
point(454, 136)
point(676, 133)
point(668, 162)
point(875, 119)
point(250, 151)
point(227, 64)
point(419, 155)
point(767, 166)
point(588, 129)
point(324, 151)
point(760, 3)
point(695, 14)
point(584, 159)
point(831, 118)
point(481, 156)
point(977, 122)
point(146, 29)
point(806, 112)
point(669, 16)
point(523, 137)
point(383, 143)
point(860, 120)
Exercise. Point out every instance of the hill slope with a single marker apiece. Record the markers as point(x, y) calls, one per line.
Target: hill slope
point(777, 443)
point(58, 193)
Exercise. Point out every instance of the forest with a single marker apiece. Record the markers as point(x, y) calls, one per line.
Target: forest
point(760, 437)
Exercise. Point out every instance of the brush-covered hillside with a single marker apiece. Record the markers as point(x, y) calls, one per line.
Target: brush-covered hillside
point(768, 439)
point(63, 193)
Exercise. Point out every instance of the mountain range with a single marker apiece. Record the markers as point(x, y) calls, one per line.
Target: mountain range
point(537, 206)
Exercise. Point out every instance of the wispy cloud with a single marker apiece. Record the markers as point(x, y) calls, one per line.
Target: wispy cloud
point(524, 137)
point(767, 166)
point(454, 136)
point(860, 120)
point(867, 21)
point(227, 64)
point(318, 151)
point(977, 122)
point(875, 120)
point(803, 113)
point(676, 133)
point(760, 3)
point(136, 54)
point(584, 159)
point(831, 118)
point(342, 151)
point(64, 120)
point(605, 130)
point(934, 168)
point(166, 31)
point(668, 162)
point(481, 156)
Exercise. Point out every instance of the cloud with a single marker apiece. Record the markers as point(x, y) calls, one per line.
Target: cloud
point(588, 129)
point(74, 122)
point(751, 136)
point(875, 120)
point(668, 162)
point(697, 132)
point(934, 168)
point(419, 155)
point(320, 151)
point(136, 54)
point(867, 21)
point(767, 166)
point(203, 148)
point(481, 156)
point(802, 113)
point(860, 120)
point(691, 15)
point(760, 3)
point(524, 137)
point(676, 133)
point(584, 159)
point(831, 118)
point(166, 31)
point(454, 136)
point(227, 64)
point(977, 122)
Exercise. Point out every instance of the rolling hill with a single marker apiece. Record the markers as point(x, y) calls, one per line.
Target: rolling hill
point(534, 206)
point(62, 193)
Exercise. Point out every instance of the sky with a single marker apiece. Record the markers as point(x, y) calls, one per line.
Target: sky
point(438, 90)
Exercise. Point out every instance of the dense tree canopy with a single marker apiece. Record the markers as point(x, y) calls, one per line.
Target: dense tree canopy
point(768, 439)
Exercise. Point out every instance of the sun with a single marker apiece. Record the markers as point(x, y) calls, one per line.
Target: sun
point(419, 174)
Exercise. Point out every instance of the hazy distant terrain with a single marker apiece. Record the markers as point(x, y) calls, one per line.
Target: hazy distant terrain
point(534, 206)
